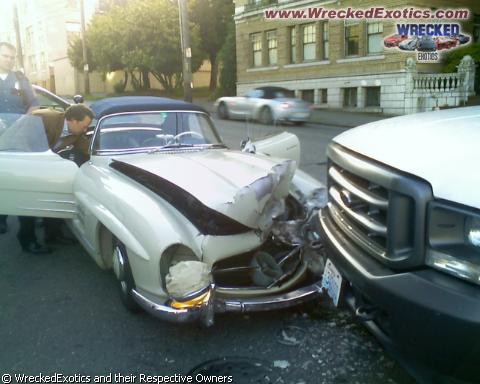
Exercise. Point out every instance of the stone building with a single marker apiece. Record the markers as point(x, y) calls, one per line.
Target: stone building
point(343, 63)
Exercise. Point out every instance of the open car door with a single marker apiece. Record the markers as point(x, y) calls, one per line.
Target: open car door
point(34, 181)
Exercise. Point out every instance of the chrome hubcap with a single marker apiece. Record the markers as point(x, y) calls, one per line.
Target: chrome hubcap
point(119, 264)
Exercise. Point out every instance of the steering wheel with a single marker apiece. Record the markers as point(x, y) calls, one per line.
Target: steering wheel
point(181, 134)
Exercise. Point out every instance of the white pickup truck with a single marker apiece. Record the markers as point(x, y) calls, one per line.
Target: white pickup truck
point(402, 234)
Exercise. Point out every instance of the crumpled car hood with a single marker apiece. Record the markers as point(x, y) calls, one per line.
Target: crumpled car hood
point(244, 187)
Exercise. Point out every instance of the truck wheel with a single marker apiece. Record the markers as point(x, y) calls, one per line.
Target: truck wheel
point(123, 273)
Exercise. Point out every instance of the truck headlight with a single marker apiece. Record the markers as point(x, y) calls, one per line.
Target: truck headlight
point(473, 232)
point(454, 240)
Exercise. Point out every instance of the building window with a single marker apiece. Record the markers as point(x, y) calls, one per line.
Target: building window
point(373, 97)
point(309, 42)
point(293, 45)
point(323, 93)
point(308, 95)
point(326, 37)
point(349, 97)
point(256, 39)
point(351, 39)
point(272, 47)
point(374, 38)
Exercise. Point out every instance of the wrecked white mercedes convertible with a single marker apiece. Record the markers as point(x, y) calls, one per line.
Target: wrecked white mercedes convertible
point(189, 227)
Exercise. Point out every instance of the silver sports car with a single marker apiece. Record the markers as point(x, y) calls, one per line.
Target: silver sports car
point(266, 104)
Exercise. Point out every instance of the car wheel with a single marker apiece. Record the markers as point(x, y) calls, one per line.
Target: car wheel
point(123, 273)
point(223, 111)
point(266, 116)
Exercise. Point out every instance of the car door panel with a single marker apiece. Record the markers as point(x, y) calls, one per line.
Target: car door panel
point(37, 184)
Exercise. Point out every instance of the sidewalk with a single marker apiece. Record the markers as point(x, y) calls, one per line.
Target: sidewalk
point(343, 118)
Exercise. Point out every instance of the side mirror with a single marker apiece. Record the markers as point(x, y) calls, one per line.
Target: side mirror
point(78, 99)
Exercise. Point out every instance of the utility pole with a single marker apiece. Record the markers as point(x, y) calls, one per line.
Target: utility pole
point(86, 78)
point(186, 50)
point(17, 36)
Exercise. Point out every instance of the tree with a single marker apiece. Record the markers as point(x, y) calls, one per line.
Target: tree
point(213, 18)
point(228, 58)
point(453, 58)
point(118, 40)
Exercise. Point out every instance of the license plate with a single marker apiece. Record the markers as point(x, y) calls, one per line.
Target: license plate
point(301, 114)
point(332, 282)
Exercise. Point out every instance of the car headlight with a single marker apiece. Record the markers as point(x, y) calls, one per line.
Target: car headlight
point(186, 279)
point(454, 240)
point(473, 231)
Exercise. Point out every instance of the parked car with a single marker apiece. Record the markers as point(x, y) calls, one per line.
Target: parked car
point(426, 44)
point(409, 44)
point(394, 40)
point(462, 39)
point(265, 104)
point(402, 232)
point(189, 227)
point(444, 42)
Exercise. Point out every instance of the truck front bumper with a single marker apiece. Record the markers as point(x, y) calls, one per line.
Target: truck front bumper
point(430, 320)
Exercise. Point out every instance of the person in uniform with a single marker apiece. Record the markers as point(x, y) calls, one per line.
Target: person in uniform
point(16, 97)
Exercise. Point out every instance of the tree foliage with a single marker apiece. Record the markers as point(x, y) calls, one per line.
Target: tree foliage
point(228, 58)
point(139, 37)
point(453, 58)
point(214, 18)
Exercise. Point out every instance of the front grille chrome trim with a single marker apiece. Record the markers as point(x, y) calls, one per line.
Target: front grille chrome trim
point(364, 220)
point(356, 235)
point(360, 192)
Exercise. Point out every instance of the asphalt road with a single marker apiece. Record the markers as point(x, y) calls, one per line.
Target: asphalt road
point(60, 313)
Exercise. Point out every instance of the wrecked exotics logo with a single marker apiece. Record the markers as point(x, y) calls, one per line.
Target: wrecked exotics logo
point(426, 39)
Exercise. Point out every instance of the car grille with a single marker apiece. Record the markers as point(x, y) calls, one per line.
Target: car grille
point(380, 210)
point(359, 208)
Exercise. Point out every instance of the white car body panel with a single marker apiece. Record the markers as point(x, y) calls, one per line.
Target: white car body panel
point(431, 146)
point(36, 184)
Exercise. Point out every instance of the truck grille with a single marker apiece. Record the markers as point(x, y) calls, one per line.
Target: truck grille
point(359, 208)
point(380, 210)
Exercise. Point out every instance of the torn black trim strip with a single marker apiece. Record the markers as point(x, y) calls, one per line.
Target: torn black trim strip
point(205, 219)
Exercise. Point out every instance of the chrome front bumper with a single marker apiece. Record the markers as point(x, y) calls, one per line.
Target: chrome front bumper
point(206, 311)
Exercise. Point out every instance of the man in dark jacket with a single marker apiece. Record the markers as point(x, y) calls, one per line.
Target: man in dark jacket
point(16, 97)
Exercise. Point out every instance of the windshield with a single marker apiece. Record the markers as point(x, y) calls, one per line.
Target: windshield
point(22, 133)
point(146, 131)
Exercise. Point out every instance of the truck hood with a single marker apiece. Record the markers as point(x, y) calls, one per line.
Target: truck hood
point(441, 147)
point(246, 188)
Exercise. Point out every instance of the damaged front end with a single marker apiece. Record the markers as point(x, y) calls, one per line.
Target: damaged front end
point(284, 271)
point(256, 247)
